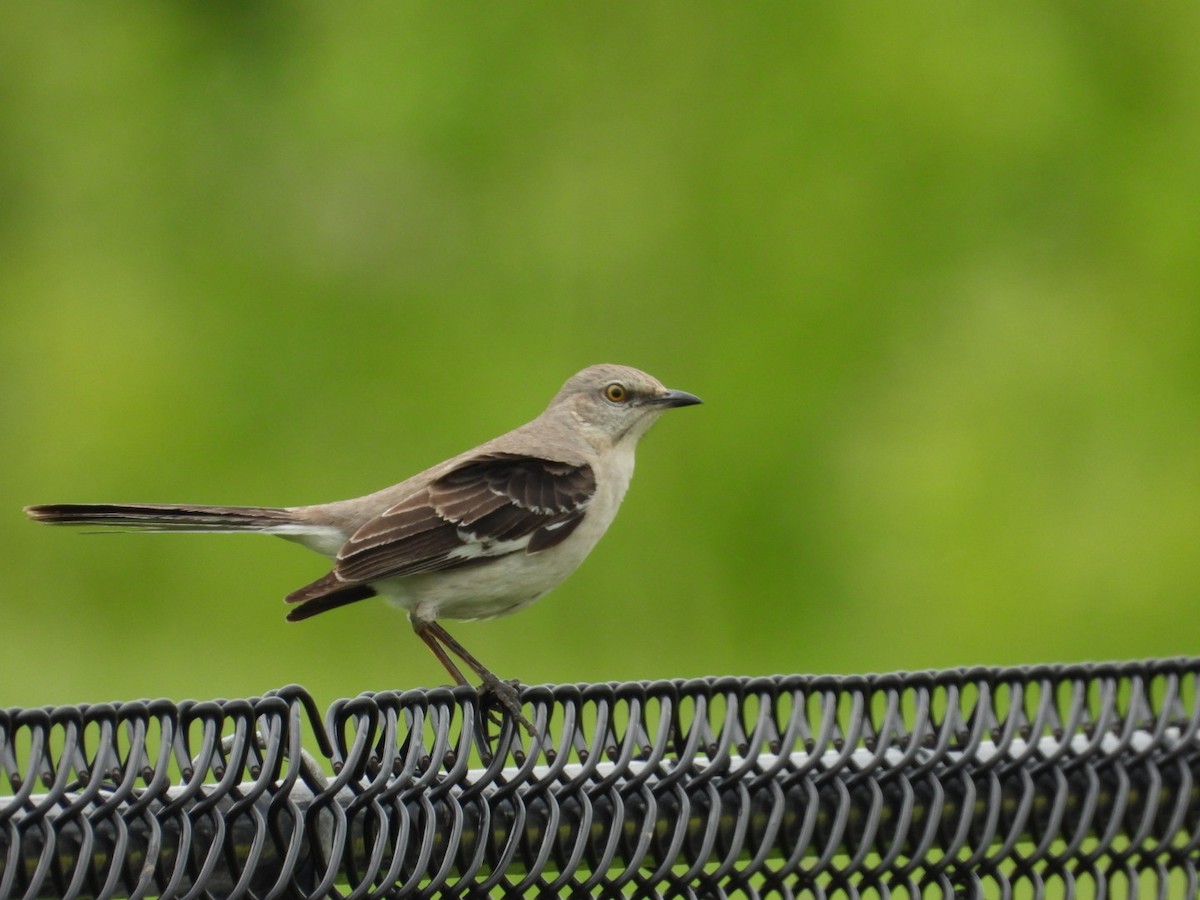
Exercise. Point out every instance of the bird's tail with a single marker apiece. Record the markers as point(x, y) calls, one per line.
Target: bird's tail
point(164, 516)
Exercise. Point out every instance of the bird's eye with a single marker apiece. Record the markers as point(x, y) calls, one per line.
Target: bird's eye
point(616, 392)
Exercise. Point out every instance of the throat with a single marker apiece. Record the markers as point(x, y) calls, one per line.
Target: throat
point(621, 471)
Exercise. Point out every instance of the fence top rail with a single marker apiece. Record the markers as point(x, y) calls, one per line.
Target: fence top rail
point(792, 777)
point(953, 712)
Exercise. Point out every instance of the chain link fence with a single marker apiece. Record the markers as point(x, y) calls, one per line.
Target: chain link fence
point(1064, 781)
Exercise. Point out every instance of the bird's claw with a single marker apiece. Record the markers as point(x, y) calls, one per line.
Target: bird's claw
point(507, 693)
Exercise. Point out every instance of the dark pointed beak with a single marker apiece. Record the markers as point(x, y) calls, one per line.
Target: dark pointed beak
point(676, 398)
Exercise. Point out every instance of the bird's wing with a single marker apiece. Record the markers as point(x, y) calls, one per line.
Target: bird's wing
point(489, 506)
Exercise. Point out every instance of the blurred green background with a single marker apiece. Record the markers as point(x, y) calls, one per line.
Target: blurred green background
point(934, 269)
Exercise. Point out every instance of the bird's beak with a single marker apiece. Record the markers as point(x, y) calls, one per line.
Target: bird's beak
point(676, 398)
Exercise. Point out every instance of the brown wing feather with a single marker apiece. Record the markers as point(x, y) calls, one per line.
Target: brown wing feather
point(324, 594)
point(482, 509)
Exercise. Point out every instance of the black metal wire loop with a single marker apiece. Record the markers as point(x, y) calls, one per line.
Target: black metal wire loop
point(1069, 780)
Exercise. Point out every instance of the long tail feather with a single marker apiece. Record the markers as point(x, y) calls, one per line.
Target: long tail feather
point(162, 516)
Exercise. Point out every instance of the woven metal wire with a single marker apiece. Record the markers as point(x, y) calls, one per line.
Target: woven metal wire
point(1055, 780)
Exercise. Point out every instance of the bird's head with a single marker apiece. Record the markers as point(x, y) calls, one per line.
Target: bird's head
point(614, 404)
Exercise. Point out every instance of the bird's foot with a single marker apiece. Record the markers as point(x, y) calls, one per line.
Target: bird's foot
point(508, 695)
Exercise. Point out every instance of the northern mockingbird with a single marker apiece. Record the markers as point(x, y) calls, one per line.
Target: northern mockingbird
point(480, 535)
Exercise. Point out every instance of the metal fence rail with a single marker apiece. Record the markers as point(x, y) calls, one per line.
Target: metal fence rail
point(1066, 780)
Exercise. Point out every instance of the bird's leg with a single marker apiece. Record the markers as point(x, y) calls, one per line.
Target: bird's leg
point(425, 631)
point(439, 641)
point(505, 691)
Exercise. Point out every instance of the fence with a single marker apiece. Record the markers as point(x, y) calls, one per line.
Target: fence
point(1052, 780)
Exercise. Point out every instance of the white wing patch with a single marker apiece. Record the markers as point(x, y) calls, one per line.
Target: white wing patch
point(474, 548)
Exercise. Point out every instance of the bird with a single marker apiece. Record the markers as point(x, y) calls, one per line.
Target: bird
point(481, 535)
